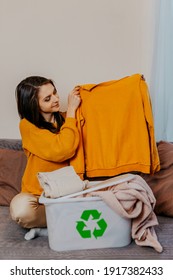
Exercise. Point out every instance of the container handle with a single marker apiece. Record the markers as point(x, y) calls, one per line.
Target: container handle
point(106, 183)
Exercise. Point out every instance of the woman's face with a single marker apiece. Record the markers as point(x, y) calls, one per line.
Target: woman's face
point(48, 100)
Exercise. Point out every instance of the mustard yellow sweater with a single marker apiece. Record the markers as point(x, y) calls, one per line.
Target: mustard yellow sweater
point(116, 129)
point(46, 151)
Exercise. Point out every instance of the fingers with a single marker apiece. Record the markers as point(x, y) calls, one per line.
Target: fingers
point(75, 91)
point(74, 95)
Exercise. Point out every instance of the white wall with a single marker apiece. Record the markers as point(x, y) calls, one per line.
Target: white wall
point(72, 42)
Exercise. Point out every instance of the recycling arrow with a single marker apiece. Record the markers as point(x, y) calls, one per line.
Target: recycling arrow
point(81, 225)
point(99, 232)
point(80, 228)
point(87, 213)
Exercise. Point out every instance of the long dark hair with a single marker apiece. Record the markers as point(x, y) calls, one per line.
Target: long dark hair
point(27, 103)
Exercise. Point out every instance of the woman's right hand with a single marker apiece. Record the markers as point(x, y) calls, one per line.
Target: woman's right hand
point(74, 101)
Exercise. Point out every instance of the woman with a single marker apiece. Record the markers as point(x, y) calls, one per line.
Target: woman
point(48, 140)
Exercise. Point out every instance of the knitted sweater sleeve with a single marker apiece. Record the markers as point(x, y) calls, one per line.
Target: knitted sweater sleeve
point(47, 145)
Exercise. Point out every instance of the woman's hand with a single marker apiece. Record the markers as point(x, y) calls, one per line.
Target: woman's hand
point(73, 102)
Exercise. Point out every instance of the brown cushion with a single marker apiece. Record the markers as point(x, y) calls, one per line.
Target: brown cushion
point(12, 165)
point(161, 182)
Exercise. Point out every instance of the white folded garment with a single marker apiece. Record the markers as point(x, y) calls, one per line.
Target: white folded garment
point(60, 182)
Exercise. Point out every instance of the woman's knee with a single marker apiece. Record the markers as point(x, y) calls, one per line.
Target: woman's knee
point(26, 211)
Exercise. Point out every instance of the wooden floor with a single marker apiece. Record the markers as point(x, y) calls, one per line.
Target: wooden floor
point(13, 246)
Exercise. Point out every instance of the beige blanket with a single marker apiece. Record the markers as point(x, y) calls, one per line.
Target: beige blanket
point(134, 199)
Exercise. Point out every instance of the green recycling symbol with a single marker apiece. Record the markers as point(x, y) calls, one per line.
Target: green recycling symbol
point(82, 227)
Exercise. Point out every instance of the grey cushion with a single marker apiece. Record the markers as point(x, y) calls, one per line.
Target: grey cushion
point(11, 144)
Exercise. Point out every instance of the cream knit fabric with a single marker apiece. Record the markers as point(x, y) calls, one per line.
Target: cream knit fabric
point(60, 182)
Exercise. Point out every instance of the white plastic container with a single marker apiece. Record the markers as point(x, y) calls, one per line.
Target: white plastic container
point(84, 223)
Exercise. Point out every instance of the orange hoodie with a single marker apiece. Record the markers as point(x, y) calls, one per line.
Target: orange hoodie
point(116, 129)
point(46, 151)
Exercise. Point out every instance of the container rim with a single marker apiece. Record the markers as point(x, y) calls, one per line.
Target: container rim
point(46, 200)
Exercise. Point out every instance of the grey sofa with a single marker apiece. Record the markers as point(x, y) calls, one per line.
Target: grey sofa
point(13, 245)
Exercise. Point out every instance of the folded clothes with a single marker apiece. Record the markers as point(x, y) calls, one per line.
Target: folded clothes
point(60, 182)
